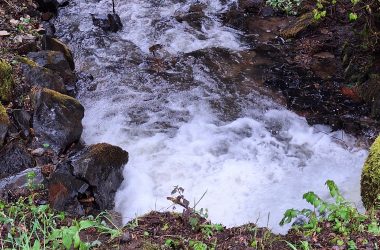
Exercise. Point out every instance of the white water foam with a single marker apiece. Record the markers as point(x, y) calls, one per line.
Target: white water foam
point(246, 170)
point(252, 166)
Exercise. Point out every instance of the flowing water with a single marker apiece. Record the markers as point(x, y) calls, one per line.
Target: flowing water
point(183, 124)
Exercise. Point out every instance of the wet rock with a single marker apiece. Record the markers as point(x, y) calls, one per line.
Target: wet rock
point(111, 22)
point(115, 22)
point(14, 157)
point(57, 119)
point(48, 5)
point(194, 17)
point(250, 5)
point(36, 75)
point(25, 48)
point(370, 92)
point(370, 179)
point(63, 190)
point(46, 16)
point(94, 172)
point(4, 124)
point(324, 65)
point(50, 43)
point(101, 166)
point(49, 29)
point(267, 11)
point(22, 119)
point(56, 61)
point(6, 81)
point(299, 25)
point(20, 180)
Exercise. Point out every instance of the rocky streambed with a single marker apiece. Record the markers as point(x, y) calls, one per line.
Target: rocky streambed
point(197, 94)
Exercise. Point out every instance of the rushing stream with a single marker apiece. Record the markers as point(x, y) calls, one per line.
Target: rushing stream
point(184, 125)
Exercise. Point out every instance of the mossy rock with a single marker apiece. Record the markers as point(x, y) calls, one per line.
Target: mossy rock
point(6, 81)
point(4, 123)
point(301, 24)
point(370, 181)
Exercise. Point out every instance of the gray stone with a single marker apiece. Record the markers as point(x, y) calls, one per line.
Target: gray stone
point(57, 119)
point(14, 158)
point(55, 61)
point(36, 75)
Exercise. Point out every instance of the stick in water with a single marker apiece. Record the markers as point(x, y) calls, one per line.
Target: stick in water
point(113, 6)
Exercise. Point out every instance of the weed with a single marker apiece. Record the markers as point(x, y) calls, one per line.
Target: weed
point(343, 217)
point(24, 225)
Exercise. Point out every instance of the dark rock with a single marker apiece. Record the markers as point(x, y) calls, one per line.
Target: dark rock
point(36, 75)
point(114, 22)
point(194, 18)
point(22, 119)
point(48, 6)
point(56, 61)
point(20, 180)
point(50, 43)
point(370, 92)
point(63, 190)
point(267, 11)
point(46, 16)
point(63, 3)
point(14, 157)
point(251, 5)
point(324, 65)
point(95, 172)
point(111, 22)
point(49, 29)
point(25, 48)
point(4, 124)
point(101, 166)
point(57, 119)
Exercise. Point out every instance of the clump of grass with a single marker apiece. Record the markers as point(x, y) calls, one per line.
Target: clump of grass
point(27, 225)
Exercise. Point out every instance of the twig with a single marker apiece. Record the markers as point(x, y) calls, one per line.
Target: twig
point(203, 195)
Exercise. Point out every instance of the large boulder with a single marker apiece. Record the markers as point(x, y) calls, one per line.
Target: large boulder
point(36, 75)
point(4, 124)
point(6, 81)
point(370, 180)
point(101, 166)
point(55, 61)
point(14, 158)
point(93, 174)
point(50, 43)
point(57, 119)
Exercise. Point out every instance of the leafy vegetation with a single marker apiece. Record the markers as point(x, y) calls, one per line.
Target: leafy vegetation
point(340, 216)
point(290, 7)
point(27, 225)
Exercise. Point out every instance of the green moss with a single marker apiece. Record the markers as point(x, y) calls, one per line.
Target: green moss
point(58, 97)
point(4, 119)
point(27, 61)
point(298, 26)
point(6, 81)
point(370, 181)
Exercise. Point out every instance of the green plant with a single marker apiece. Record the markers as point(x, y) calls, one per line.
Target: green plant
point(288, 6)
point(197, 245)
point(343, 217)
point(25, 225)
